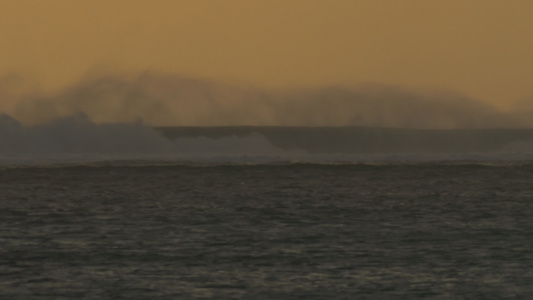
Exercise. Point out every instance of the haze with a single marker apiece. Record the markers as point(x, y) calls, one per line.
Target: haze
point(481, 50)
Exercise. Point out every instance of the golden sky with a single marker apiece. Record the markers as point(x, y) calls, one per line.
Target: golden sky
point(483, 48)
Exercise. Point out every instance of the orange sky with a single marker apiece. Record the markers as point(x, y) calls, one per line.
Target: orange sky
point(483, 48)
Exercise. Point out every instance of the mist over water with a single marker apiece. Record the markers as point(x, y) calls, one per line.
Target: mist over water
point(173, 100)
point(173, 118)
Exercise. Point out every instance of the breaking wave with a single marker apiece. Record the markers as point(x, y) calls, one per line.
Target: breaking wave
point(77, 139)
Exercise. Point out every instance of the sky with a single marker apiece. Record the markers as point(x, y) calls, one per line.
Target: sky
point(480, 49)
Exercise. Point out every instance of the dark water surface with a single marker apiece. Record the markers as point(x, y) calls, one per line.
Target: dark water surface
point(288, 231)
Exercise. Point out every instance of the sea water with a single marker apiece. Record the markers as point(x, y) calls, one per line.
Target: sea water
point(267, 230)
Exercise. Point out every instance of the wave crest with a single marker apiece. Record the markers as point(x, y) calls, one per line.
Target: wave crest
point(78, 139)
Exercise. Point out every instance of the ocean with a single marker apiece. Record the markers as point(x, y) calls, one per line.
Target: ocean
point(283, 224)
point(267, 231)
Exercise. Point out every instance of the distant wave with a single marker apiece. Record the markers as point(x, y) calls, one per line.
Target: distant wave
point(373, 141)
point(76, 139)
